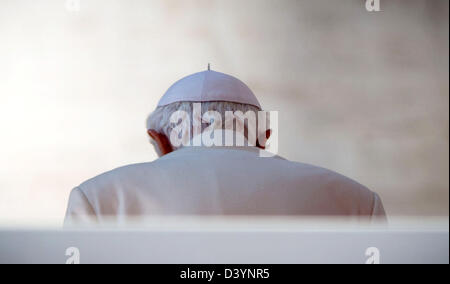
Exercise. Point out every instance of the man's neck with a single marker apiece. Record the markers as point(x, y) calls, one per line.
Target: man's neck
point(219, 137)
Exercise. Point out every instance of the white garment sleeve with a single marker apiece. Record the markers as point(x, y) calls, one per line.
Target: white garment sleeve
point(79, 211)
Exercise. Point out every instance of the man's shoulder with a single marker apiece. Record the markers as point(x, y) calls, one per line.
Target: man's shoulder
point(327, 191)
point(329, 180)
point(117, 177)
point(343, 190)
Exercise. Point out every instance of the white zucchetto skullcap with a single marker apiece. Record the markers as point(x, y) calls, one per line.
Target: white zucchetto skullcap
point(209, 86)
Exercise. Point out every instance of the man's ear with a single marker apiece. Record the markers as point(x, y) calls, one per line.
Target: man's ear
point(263, 145)
point(162, 141)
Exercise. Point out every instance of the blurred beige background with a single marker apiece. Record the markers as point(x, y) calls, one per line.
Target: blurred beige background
point(364, 94)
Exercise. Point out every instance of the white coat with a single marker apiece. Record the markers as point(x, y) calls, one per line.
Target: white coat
point(220, 181)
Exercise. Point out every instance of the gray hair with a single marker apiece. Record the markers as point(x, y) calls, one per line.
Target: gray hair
point(159, 120)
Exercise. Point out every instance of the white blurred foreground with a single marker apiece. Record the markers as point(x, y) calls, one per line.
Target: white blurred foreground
point(236, 240)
